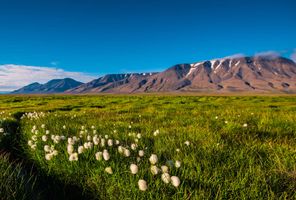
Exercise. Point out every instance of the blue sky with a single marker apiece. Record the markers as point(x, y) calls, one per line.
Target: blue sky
point(97, 37)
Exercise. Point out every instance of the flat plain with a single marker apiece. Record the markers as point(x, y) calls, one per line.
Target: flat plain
point(147, 147)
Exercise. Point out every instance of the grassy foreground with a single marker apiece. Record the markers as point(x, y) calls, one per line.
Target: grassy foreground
point(207, 147)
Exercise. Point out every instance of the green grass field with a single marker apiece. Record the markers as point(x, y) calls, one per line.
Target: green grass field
point(99, 147)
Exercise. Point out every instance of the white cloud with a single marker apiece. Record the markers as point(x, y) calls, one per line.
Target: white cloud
point(269, 54)
point(293, 55)
point(16, 76)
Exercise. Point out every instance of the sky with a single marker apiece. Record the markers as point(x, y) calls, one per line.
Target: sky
point(85, 39)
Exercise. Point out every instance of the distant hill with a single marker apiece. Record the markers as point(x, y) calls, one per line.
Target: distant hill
point(53, 86)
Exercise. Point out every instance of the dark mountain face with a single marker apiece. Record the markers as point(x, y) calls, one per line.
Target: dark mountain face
point(242, 74)
point(53, 86)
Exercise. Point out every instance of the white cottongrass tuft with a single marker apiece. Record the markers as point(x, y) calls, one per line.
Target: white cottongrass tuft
point(44, 138)
point(120, 149)
point(245, 125)
point(47, 148)
point(99, 155)
point(73, 157)
point(164, 169)
point(142, 185)
point(106, 155)
point(134, 169)
point(141, 153)
point(110, 142)
point(175, 181)
point(134, 146)
point(178, 164)
point(153, 159)
point(126, 152)
point(166, 178)
point(80, 149)
point(154, 170)
point(70, 149)
point(1, 130)
point(109, 170)
point(48, 156)
point(156, 132)
point(187, 143)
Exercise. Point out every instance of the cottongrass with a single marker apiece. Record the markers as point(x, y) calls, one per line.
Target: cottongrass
point(142, 185)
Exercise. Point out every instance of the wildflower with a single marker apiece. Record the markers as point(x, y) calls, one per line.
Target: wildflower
point(153, 159)
point(156, 132)
point(43, 126)
point(80, 149)
point(70, 149)
point(106, 136)
point(178, 150)
point(120, 149)
point(226, 122)
point(44, 138)
point(73, 157)
point(129, 126)
point(134, 146)
point(47, 148)
point(166, 178)
point(109, 170)
point(34, 138)
point(134, 168)
point(48, 156)
point(55, 152)
point(1, 130)
point(142, 185)
point(34, 146)
point(106, 155)
point(177, 164)
point(138, 159)
point(110, 142)
point(126, 152)
point(71, 141)
point(93, 127)
point(175, 181)
point(187, 143)
point(139, 135)
point(154, 170)
point(88, 138)
point(141, 153)
point(30, 143)
point(216, 117)
point(82, 127)
point(64, 127)
point(99, 155)
point(245, 125)
point(57, 139)
point(117, 142)
point(103, 142)
point(164, 169)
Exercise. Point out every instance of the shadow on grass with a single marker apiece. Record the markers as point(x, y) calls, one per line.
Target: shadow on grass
point(45, 187)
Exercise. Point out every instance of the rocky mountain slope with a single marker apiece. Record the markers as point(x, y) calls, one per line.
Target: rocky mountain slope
point(240, 74)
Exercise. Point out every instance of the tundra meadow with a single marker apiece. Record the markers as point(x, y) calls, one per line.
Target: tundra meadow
point(147, 147)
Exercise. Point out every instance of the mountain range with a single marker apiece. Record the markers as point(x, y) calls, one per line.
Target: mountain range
point(53, 86)
point(231, 74)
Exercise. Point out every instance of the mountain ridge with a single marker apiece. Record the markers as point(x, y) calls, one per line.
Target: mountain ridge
point(52, 86)
point(229, 74)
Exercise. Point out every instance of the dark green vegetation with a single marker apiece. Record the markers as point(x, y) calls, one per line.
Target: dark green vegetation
point(240, 147)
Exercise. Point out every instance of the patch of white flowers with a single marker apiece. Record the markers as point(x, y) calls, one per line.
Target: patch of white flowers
point(103, 148)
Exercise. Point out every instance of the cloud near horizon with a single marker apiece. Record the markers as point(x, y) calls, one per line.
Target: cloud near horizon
point(293, 55)
point(13, 77)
